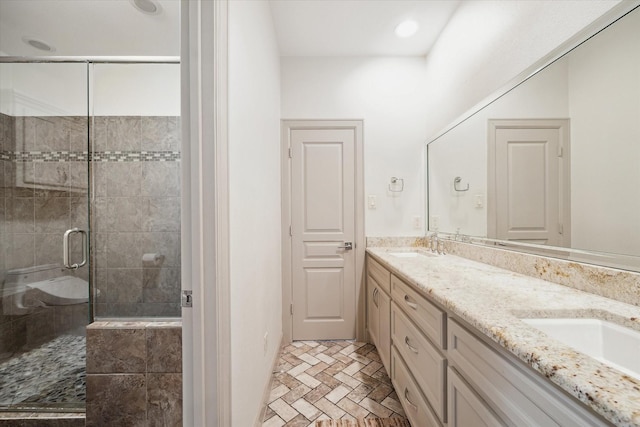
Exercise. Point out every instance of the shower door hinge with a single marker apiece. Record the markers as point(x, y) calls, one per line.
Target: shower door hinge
point(187, 299)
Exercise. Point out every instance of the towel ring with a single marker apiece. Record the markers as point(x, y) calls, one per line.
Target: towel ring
point(394, 183)
point(457, 181)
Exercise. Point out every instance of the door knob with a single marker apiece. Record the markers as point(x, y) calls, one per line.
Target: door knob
point(347, 246)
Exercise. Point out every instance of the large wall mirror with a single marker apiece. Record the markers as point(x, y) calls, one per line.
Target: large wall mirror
point(554, 162)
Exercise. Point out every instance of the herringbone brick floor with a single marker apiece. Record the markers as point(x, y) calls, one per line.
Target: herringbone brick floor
point(317, 380)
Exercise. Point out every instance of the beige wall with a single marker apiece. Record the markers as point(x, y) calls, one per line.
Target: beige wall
point(390, 95)
point(487, 43)
point(254, 211)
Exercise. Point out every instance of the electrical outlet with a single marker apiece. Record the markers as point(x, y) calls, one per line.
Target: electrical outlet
point(434, 224)
point(266, 342)
point(417, 222)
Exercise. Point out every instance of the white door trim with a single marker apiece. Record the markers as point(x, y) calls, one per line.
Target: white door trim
point(205, 218)
point(287, 126)
point(563, 125)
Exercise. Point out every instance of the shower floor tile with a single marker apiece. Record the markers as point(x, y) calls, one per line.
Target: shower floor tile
point(53, 373)
point(321, 380)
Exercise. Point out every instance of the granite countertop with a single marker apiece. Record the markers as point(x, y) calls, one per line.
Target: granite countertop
point(493, 300)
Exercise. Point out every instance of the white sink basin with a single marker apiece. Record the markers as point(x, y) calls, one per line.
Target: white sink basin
point(404, 254)
point(409, 254)
point(607, 342)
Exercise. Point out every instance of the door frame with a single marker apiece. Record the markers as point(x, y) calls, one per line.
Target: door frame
point(206, 329)
point(287, 125)
point(564, 190)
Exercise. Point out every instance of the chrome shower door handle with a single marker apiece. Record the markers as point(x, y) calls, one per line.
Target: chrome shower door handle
point(347, 246)
point(65, 248)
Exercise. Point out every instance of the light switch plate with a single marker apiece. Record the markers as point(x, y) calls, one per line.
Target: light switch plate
point(372, 201)
point(479, 201)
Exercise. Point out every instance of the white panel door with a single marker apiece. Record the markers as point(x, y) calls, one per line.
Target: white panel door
point(322, 223)
point(528, 185)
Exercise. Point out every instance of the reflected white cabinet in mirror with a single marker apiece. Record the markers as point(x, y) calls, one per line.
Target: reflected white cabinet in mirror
point(555, 161)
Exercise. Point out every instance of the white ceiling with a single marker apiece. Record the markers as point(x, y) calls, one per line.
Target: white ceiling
point(303, 27)
point(89, 28)
point(357, 27)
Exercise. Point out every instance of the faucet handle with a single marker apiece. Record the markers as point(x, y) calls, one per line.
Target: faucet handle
point(433, 242)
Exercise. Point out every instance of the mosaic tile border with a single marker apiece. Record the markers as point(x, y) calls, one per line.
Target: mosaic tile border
point(96, 156)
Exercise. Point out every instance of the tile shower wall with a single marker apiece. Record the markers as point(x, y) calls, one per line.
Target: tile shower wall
point(6, 132)
point(136, 211)
point(39, 197)
point(134, 374)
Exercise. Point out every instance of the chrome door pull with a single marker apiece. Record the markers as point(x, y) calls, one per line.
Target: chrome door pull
point(407, 300)
point(412, 348)
point(406, 397)
point(347, 246)
point(65, 248)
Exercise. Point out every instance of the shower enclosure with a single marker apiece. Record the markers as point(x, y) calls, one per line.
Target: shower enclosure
point(89, 214)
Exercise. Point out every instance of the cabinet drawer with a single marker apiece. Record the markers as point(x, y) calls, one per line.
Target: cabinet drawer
point(426, 363)
point(429, 318)
point(518, 396)
point(381, 275)
point(414, 404)
point(465, 407)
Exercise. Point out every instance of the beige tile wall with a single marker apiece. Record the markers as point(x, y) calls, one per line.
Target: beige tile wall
point(134, 374)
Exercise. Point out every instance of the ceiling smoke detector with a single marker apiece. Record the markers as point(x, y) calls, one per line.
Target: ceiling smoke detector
point(150, 7)
point(38, 44)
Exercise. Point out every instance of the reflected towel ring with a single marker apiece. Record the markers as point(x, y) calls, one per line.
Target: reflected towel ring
point(395, 182)
point(457, 181)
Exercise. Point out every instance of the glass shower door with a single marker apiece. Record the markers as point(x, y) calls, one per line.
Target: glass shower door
point(44, 181)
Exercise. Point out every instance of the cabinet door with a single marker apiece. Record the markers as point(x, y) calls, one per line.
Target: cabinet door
point(373, 311)
point(519, 396)
point(465, 407)
point(384, 331)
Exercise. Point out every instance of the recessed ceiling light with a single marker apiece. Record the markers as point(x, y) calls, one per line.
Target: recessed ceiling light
point(150, 7)
point(38, 44)
point(406, 28)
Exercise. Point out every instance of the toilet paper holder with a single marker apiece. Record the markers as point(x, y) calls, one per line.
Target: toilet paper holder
point(152, 260)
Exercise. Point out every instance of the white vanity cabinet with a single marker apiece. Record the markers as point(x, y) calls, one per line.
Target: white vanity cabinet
point(466, 408)
point(446, 373)
point(415, 405)
point(379, 309)
point(418, 335)
point(498, 382)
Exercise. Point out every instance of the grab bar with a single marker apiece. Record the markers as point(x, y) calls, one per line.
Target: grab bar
point(65, 248)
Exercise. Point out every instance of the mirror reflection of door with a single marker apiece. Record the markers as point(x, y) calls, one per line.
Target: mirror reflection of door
point(528, 193)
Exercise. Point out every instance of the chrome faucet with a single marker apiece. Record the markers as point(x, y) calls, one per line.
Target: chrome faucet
point(436, 244)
